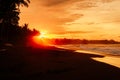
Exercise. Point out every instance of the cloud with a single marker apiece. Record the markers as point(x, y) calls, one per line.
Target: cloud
point(72, 32)
point(106, 1)
point(88, 3)
point(53, 2)
point(55, 14)
point(52, 14)
point(50, 3)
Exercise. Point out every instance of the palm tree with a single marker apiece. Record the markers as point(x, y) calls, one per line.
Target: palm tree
point(9, 15)
point(9, 10)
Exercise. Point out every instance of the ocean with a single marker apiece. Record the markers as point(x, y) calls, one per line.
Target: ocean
point(113, 49)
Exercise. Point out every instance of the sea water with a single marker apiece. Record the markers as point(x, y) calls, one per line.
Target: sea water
point(113, 49)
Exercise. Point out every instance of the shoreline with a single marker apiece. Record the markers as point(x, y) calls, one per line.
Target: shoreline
point(90, 51)
point(97, 52)
point(108, 58)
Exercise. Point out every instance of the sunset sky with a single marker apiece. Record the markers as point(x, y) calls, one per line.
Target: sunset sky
point(83, 19)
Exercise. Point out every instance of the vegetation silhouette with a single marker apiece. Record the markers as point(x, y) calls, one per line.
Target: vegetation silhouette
point(10, 31)
point(9, 11)
point(66, 41)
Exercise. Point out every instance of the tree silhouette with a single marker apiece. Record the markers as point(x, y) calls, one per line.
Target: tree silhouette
point(9, 17)
point(9, 10)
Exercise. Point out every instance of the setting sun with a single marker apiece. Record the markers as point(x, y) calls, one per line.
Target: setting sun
point(43, 35)
point(40, 40)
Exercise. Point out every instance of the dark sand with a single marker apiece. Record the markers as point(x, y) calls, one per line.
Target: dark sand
point(26, 63)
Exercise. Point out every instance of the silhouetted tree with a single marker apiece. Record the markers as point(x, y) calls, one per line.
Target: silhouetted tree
point(9, 10)
point(9, 17)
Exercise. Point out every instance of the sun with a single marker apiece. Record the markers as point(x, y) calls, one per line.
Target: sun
point(40, 40)
point(43, 35)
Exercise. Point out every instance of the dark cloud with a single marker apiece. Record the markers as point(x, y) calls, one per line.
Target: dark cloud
point(50, 3)
point(53, 2)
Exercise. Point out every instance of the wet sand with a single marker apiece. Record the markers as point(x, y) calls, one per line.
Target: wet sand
point(108, 58)
point(50, 63)
point(112, 60)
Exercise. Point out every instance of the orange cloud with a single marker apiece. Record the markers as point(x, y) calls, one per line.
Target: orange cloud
point(72, 32)
point(53, 15)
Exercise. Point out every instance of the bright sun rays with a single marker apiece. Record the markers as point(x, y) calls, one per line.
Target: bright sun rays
point(43, 35)
point(41, 40)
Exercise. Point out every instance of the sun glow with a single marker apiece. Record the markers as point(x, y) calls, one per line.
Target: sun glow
point(46, 35)
point(40, 40)
point(43, 35)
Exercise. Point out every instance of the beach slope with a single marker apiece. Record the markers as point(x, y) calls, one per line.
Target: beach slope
point(27, 63)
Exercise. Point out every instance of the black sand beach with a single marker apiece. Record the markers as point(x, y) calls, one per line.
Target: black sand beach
point(26, 63)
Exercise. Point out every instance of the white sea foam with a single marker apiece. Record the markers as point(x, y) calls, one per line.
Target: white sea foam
point(104, 48)
point(113, 49)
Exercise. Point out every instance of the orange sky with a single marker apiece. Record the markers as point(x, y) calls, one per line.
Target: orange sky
point(89, 19)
